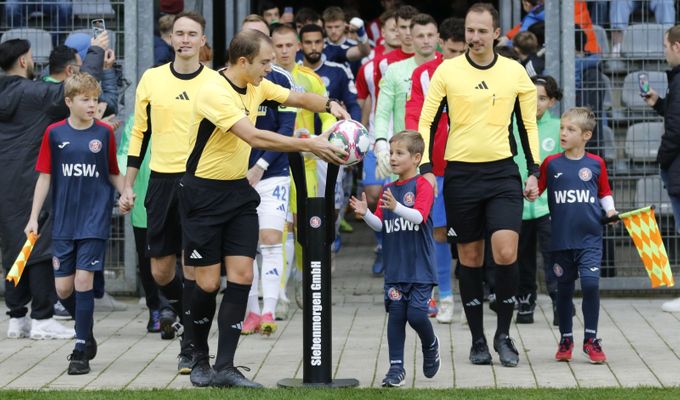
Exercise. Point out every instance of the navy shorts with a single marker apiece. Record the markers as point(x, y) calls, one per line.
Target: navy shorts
point(417, 295)
point(568, 265)
point(85, 254)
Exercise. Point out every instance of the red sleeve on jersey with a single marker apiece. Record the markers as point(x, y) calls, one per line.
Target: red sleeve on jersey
point(424, 197)
point(44, 163)
point(414, 103)
point(514, 31)
point(113, 161)
point(378, 211)
point(361, 85)
point(603, 181)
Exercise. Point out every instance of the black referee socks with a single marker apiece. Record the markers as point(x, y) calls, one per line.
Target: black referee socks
point(230, 321)
point(506, 290)
point(472, 297)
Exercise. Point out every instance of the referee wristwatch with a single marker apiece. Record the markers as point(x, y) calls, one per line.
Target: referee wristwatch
point(328, 103)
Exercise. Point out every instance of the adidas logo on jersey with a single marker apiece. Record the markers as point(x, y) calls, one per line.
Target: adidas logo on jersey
point(182, 96)
point(272, 271)
point(195, 255)
point(482, 85)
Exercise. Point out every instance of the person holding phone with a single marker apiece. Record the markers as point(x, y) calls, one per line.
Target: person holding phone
point(669, 150)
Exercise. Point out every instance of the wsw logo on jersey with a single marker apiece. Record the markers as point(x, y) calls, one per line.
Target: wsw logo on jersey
point(80, 169)
point(400, 224)
point(573, 196)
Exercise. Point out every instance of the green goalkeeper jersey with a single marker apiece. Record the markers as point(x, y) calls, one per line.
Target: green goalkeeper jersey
point(395, 89)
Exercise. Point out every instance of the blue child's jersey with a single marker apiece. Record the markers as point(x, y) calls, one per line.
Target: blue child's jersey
point(275, 117)
point(574, 189)
point(408, 248)
point(80, 162)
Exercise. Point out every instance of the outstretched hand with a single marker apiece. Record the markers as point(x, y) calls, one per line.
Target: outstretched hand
point(360, 207)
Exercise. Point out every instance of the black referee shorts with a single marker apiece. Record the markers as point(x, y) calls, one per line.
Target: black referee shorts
point(164, 231)
point(482, 197)
point(219, 219)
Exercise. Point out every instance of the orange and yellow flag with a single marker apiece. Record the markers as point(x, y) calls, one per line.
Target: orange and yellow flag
point(642, 227)
point(17, 269)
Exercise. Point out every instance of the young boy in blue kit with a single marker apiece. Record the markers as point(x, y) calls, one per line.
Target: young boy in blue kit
point(578, 191)
point(77, 162)
point(403, 216)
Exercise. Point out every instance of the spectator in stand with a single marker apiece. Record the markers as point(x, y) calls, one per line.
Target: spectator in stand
point(669, 150)
point(269, 11)
point(163, 52)
point(619, 14)
point(59, 14)
point(172, 7)
point(535, 10)
point(526, 47)
point(205, 55)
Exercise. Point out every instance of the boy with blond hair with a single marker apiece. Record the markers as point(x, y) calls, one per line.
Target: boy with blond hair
point(574, 179)
point(77, 162)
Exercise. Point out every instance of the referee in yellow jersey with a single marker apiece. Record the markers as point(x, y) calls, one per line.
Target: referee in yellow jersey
point(218, 205)
point(482, 185)
point(164, 104)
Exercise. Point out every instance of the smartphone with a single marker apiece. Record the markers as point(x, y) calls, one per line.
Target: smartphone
point(643, 81)
point(98, 26)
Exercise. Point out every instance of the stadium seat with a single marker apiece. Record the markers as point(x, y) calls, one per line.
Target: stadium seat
point(643, 140)
point(41, 41)
point(112, 38)
point(602, 40)
point(91, 9)
point(607, 87)
point(609, 142)
point(650, 191)
point(643, 41)
point(630, 96)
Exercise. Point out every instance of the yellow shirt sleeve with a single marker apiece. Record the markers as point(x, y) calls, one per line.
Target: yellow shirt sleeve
point(141, 128)
point(526, 94)
point(216, 104)
point(435, 95)
point(327, 119)
point(272, 91)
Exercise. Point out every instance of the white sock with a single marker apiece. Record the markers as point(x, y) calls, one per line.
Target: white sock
point(272, 270)
point(253, 304)
point(289, 258)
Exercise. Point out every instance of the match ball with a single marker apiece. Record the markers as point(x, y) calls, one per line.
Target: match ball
point(351, 136)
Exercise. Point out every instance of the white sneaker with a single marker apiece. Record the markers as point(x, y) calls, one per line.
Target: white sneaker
point(282, 307)
point(46, 329)
point(671, 306)
point(107, 304)
point(445, 314)
point(19, 327)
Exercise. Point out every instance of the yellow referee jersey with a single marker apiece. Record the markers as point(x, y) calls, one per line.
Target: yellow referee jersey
point(164, 105)
point(480, 102)
point(216, 153)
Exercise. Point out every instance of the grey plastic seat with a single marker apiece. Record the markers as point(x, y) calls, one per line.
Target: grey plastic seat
point(41, 41)
point(601, 36)
point(649, 190)
point(643, 140)
point(630, 95)
point(91, 9)
point(643, 41)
